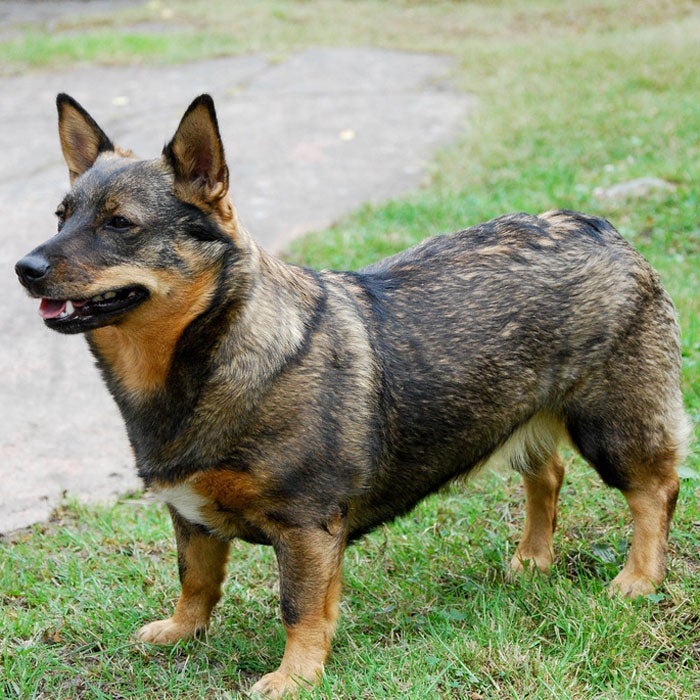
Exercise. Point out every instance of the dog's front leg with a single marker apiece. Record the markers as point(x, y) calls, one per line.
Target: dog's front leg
point(202, 566)
point(309, 561)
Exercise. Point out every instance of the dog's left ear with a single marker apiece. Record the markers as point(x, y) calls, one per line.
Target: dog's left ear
point(196, 154)
point(82, 140)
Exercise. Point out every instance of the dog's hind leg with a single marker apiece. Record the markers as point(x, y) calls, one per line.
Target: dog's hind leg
point(640, 460)
point(542, 488)
point(309, 561)
point(202, 567)
point(628, 421)
point(652, 505)
point(532, 450)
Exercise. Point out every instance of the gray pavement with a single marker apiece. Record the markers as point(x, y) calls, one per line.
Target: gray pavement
point(308, 140)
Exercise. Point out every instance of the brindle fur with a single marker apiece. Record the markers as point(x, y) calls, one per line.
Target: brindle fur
point(302, 409)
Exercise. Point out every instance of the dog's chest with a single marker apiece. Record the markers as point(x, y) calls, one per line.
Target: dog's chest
point(190, 504)
point(226, 503)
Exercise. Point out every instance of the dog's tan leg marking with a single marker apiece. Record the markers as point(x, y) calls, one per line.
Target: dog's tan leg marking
point(652, 508)
point(541, 493)
point(202, 563)
point(310, 573)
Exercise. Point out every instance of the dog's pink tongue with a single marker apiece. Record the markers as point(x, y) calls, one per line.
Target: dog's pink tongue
point(51, 308)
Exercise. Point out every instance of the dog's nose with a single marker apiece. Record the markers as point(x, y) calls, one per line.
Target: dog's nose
point(32, 268)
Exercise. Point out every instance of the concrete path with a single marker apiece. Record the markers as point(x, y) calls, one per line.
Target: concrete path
point(308, 140)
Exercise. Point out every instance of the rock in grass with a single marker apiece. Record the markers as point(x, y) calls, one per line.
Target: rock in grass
point(640, 187)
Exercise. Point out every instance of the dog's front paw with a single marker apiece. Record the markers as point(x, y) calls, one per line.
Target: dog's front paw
point(631, 585)
point(279, 684)
point(165, 632)
point(530, 562)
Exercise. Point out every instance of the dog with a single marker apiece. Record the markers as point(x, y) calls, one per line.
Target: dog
point(301, 409)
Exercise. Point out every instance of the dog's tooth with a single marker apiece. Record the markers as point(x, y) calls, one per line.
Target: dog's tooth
point(110, 295)
point(70, 309)
point(98, 297)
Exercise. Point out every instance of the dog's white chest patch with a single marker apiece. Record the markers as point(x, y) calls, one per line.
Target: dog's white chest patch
point(186, 501)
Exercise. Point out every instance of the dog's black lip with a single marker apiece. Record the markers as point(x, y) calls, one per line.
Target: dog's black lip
point(95, 314)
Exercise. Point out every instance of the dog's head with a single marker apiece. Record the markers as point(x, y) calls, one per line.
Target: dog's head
point(136, 238)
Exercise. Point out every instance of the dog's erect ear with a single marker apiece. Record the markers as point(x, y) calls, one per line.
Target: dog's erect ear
point(82, 140)
point(196, 154)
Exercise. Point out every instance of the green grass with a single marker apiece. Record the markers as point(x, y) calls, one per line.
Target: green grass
point(427, 612)
point(572, 96)
point(39, 50)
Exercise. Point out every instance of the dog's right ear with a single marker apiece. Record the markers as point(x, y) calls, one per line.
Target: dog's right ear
point(82, 140)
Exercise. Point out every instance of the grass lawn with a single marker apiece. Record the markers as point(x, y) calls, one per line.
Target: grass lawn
point(573, 96)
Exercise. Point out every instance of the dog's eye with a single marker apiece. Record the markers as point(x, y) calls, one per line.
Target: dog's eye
point(118, 223)
point(61, 216)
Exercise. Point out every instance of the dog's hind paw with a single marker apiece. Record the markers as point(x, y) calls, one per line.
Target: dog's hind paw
point(166, 632)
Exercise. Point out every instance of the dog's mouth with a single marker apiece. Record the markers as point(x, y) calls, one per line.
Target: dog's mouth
point(79, 315)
